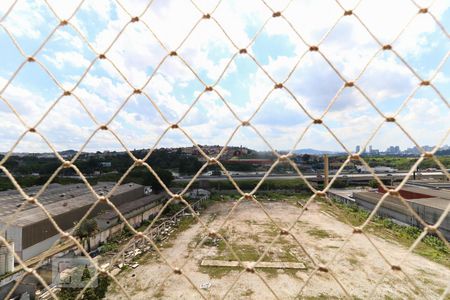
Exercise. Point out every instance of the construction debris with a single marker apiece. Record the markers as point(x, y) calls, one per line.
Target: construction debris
point(205, 286)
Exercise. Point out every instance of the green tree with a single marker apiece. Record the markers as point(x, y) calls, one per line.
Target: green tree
point(86, 274)
point(339, 183)
point(373, 183)
point(189, 165)
point(86, 229)
point(165, 176)
point(306, 158)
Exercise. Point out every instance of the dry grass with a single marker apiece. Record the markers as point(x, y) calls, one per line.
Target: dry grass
point(250, 234)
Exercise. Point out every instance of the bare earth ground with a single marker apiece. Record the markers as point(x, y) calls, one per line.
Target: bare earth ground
point(358, 265)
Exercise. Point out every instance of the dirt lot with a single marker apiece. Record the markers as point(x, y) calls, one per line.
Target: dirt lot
point(358, 266)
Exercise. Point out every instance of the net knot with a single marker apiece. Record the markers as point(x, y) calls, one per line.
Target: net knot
point(177, 271)
point(355, 156)
point(174, 126)
point(431, 229)
point(173, 53)
point(283, 157)
point(31, 59)
point(245, 123)
point(32, 129)
point(208, 88)
point(425, 83)
point(276, 14)
point(323, 269)
point(321, 193)
point(212, 234)
point(243, 51)
point(428, 154)
point(137, 91)
point(31, 200)
point(67, 93)
point(250, 268)
point(177, 197)
point(102, 56)
point(387, 47)
point(284, 232)
point(396, 268)
point(349, 84)
point(313, 48)
point(104, 127)
point(390, 119)
point(348, 13)
point(134, 19)
point(357, 230)
point(317, 121)
point(139, 162)
point(423, 10)
point(212, 160)
point(67, 164)
point(393, 192)
point(102, 199)
point(248, 196)
point(206, 16)
point(279, 86)
point(63, 23)
point(65, 236)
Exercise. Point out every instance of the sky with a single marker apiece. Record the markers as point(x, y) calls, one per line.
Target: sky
point(214, 60)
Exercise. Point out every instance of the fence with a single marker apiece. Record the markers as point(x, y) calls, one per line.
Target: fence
point(238, 50)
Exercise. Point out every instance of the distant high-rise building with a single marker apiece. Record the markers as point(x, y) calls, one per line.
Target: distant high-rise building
point(393, 150)
point(370, 149)
point(358, 148)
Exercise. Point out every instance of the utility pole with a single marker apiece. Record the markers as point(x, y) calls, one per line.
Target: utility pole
point(325, 170)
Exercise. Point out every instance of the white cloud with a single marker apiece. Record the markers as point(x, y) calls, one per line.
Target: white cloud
point(26, 19)
point(68, 59)
point(173, 88)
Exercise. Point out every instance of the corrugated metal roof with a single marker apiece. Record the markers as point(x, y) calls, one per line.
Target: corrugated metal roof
point(130, 206)
point(391, 203)
point(36, 214)
point(438, 203)
point(10, 200)
point(434, 202)
point(444, 194)
point(431, 183)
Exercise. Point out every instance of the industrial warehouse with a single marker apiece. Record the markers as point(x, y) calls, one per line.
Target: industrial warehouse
point(31, 232)
point(428, 199)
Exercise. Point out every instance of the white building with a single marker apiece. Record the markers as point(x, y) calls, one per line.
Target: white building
point(6, 259)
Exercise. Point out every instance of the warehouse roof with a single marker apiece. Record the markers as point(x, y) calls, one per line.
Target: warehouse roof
point(431, 183)
point(36, 214)
point(131, 206)
point(444, 194)
point(434, 202)
point(10, 200)
point(438, 203)
point(375, 196)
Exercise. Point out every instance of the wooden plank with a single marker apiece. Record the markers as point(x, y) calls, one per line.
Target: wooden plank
point(262, 264)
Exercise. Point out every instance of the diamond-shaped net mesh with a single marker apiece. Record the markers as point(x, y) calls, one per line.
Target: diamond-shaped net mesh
point(239, 50)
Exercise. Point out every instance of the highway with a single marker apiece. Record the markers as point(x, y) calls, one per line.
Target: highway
point(314, 177)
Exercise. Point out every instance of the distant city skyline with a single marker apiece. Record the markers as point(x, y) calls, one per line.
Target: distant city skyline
point(370, 150)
